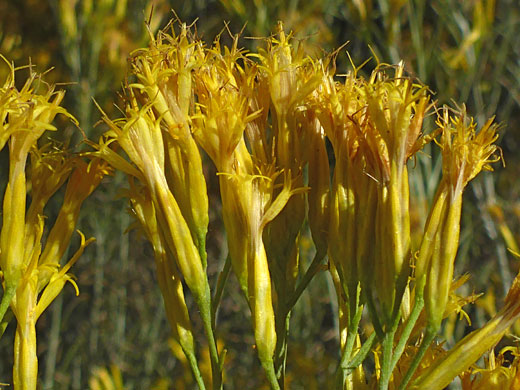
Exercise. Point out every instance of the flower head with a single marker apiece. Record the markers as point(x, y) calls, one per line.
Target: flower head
point(224, 86)
point(464, 151)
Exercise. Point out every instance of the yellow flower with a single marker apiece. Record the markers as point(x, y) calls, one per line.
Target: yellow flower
point(83, 180)
point(25, 116)
point(171, 201)
point(31, 278)
point(249, 205)
point(289, 77)
point(340, 109)
point(319, 183)
point(141, 137)
point(396, 108)
point(375, 127)
point(164, 74)
point(223, 88)
point(465, 153)
point(42, 277)
point(247, 197)
point(251, 198)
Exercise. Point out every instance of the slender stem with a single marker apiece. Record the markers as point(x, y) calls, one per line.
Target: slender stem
point(306, 279)
point(215, 364)
point(362, 353)
point(282, 354)
point(351, 337)
point(355, 361)
point(405, 335)
point(271, 375)
point(219, 290)
point(386, 369)
point(192, 360)
point(387, 347)
point(280, 346)
point(5, 322)
point(282, 317)
point(7, 297)
point(430, 334)
point(342, 371)
point(205, 313)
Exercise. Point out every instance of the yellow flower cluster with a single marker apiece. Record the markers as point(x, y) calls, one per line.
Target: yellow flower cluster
point(31, 273)
point(264, 119)
point(167, 186)
point(292, 141)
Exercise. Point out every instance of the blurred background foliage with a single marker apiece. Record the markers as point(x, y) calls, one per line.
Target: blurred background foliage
point(114, 335)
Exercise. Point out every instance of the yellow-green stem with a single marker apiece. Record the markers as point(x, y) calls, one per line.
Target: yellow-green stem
point(7, 297)
point(204, 304)
point(408, 328)
point(425, 344)
point(386, 363)
point(342, 370)
point(192, 360)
